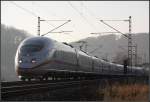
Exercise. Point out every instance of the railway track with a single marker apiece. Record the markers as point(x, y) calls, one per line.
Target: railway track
point(19, 88)
point(13, 89)
point(6, 84)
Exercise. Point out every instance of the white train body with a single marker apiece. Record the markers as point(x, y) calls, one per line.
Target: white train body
point(42, 56)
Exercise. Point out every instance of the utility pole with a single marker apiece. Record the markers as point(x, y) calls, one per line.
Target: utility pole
point(129, 36)
point(134, 53)
point(38, 26)
point(39, 19)
point(130, 44)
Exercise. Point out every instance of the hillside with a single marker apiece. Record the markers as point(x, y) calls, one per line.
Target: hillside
point(114, 48)
point(10, 39)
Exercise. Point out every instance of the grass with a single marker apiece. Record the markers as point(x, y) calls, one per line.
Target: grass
point(126, 92)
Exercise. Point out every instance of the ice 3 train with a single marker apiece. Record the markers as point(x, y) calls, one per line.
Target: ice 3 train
point(42, 57)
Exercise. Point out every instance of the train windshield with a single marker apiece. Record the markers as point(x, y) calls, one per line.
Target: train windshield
point(32, 47)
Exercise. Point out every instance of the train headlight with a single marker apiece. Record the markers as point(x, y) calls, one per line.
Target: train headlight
point(20, 61)
point(19, 77)
point(33, 61)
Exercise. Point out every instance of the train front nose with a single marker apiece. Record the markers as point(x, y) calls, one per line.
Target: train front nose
point(30, 55)
point(28, 61)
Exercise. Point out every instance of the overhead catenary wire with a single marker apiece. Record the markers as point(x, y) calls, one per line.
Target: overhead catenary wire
point(56, 27)
point(115, 20)
point(114, 28)
point(47, 21)
point(43, 18)
point(28, 11)
point(80, 14)
point(89, 12)
point(35, 15)
point(53, 15)
point(32, 13)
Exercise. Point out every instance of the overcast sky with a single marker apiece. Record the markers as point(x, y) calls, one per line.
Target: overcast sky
point(84, 16)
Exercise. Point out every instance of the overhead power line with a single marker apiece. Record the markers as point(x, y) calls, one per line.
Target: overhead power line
point(47, 22)
point(32, 13)
point(113, 28)
point(28, 11)
point(115, 20)
point(80, 14)
point(90, 13)
point(57, 27)
point(42, 17)
point(104, 33)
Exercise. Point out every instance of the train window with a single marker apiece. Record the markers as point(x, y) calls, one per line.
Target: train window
point(85, 61)
point(96, 63)
point(58, 55)
point(69, 57)
point(31, 48)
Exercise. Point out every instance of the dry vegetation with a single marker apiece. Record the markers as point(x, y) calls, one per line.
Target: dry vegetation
point(132, 92)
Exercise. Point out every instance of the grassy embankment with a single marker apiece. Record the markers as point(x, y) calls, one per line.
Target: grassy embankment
point(125, 92)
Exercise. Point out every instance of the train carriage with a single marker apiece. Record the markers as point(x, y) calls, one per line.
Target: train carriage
point(43, 57)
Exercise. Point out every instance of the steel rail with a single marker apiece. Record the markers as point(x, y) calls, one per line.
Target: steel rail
point(13, 91)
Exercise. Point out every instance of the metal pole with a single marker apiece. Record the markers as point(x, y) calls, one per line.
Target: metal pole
point(134, 52)
point(130, 44)
point(130, 59)
point(39, 26)
point(136, 55)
